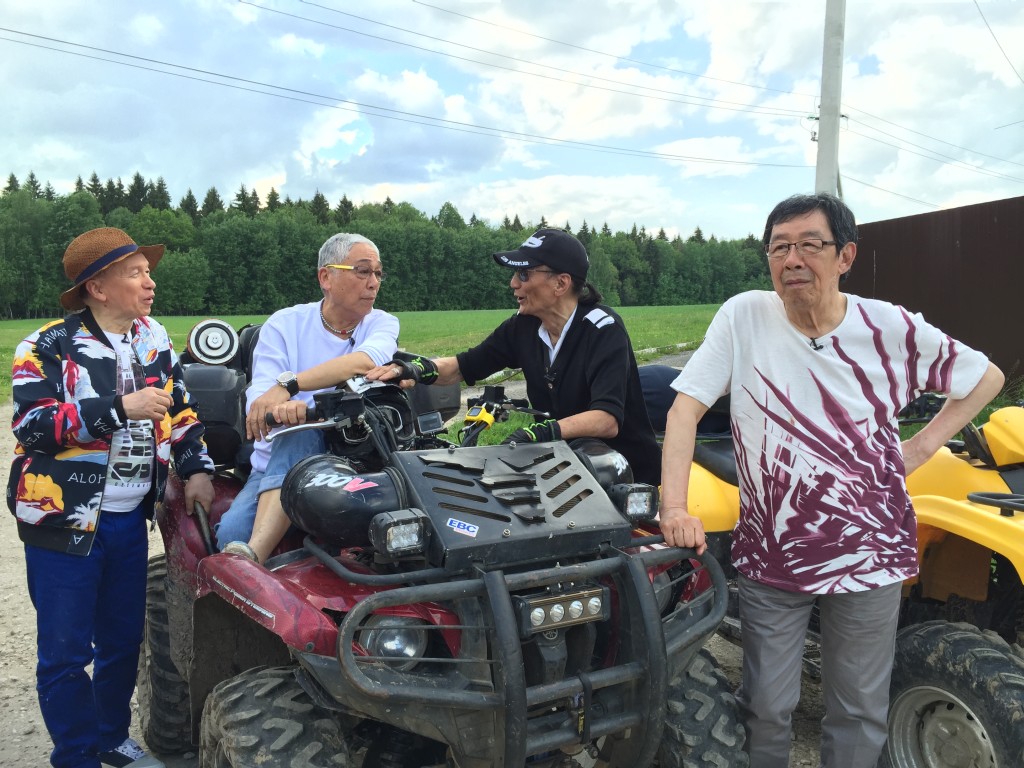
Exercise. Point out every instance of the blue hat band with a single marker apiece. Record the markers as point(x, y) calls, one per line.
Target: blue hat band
point(105, 261)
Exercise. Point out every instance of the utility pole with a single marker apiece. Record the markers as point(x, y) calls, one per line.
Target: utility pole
point(826, 177)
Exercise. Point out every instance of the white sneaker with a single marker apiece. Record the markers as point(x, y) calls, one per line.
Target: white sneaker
point(129, 754)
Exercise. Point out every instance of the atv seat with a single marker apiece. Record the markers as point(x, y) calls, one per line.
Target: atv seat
point(656, 384)
point(717, 457)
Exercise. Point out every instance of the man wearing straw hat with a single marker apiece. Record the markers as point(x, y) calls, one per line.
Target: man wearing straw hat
point(100, 409)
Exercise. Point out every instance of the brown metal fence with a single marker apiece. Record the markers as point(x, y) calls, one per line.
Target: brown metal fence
point(962, 268)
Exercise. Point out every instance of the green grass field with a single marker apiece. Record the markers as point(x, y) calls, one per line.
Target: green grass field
point(432, 333)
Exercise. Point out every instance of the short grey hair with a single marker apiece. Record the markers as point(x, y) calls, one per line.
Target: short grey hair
point(336, 249)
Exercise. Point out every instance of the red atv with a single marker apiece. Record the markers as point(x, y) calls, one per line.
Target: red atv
point(436, 604)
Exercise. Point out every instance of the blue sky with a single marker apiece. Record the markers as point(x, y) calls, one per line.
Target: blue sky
point(663, 114)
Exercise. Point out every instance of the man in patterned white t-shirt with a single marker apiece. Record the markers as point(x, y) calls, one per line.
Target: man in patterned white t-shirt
point(817, 379)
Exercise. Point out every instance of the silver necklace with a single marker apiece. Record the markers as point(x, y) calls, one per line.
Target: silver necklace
point(331, 328)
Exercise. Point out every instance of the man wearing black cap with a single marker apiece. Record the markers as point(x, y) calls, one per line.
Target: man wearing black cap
point(574, 352)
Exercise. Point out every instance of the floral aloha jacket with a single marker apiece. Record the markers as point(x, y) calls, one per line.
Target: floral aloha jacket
point(65, 411)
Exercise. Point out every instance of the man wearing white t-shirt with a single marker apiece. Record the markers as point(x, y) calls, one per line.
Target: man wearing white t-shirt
point(817, 379)
point(303, 350)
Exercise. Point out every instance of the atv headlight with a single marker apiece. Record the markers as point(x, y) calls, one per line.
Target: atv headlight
point(398, 641)
point(637, 501)
point(399, 533)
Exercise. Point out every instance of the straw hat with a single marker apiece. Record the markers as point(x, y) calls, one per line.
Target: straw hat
point(92, 252)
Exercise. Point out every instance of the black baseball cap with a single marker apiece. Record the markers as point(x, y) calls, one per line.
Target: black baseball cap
point(554, 248)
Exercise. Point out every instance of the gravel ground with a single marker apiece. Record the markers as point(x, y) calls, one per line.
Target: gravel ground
point(23, 738)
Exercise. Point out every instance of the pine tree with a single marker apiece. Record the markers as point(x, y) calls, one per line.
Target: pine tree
point(273, 200)
point(32, 184)
point(517, 225)
point(389, 205)
point(606, 230)
point(343, 211)
point(190, 205)
point(243, 201)
point(95, 186)
point(320, 208)
point(506, 222)
point(543, 223)
point(254, 202)
point(157, 196)
point(12, 185)
point(79, 185)
point(49, 193)
point(137, 193)
point(212, 202)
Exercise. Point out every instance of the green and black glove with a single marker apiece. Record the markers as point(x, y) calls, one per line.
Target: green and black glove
point(539, 432)
point(422, 370)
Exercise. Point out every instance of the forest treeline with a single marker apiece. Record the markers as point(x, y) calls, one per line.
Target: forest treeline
point(249, 256)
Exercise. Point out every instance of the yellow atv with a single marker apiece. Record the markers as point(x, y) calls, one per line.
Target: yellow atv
point(957, 696)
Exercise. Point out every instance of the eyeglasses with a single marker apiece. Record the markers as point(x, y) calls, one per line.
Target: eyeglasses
point(362, 271)
point(780, 250)
point(524, 274)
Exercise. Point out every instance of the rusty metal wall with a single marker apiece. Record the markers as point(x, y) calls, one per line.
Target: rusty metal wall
point(962, 268)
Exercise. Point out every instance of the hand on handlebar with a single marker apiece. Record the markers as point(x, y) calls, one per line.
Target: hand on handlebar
point(538, 432)
point(420, 369)
point(256, 425)
point(681, 529)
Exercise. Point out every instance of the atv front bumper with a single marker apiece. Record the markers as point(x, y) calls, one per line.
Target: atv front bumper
point(479, 700)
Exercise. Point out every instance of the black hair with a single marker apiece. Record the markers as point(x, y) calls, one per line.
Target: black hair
point(840, 218)
point(586, 292)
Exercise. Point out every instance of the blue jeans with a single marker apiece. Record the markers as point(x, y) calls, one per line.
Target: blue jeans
point(285, 452)
point(89, 610)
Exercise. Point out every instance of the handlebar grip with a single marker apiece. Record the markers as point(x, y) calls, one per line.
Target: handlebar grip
point(272, 422)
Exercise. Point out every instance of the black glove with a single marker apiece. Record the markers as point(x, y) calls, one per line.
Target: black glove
point(422, 370)
point(539, 432)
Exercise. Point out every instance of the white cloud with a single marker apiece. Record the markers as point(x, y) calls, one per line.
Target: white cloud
point(146, 28)
point(294, 45)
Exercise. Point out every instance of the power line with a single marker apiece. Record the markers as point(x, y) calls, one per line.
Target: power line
point(691, 74)
point(925, 135)
point(776, 111)
point(359, 107)
point(609, 55)
point(890, 192)
point(998, 45)
point(954, 162)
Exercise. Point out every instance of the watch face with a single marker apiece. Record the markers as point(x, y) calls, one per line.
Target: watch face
point(285, 377)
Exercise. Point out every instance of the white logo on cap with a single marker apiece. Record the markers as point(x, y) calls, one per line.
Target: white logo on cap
point(533, 242)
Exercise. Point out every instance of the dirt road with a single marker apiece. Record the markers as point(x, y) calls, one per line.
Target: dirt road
point(24, 742)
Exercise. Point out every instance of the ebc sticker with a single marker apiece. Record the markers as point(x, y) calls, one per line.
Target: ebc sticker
point(466, 529)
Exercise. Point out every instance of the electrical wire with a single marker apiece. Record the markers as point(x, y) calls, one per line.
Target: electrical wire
point(890, 192)
point(690, 74)
point(609, 55)
point(379, 111)
point(954, 162)
point(777, 111)
point(998, 44)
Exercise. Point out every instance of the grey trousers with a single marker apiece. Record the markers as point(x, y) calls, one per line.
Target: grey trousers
point(858, 642)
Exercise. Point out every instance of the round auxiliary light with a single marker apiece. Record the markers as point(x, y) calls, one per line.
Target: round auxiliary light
point(537, 616)
point(575, 609)
point(557, 612)
point(594, 606)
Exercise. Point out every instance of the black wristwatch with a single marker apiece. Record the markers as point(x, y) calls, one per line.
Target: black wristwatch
point(290, 382)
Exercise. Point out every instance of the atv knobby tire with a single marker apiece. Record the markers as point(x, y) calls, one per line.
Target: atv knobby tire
point(263, 718)
point(957, 699)
point(164, 708)
point(702, 727)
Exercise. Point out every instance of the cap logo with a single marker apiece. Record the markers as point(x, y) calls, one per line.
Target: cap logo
point(512, 263)
point(533, 242)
